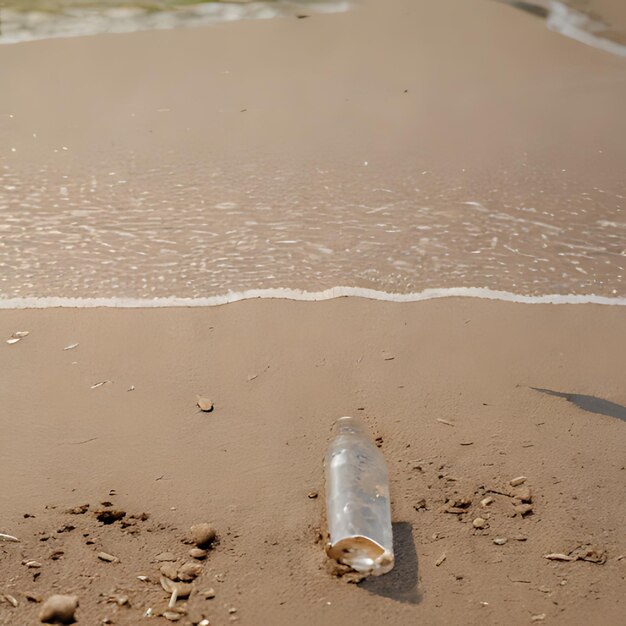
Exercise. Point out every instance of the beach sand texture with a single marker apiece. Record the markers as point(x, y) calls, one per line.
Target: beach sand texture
point(396, 147)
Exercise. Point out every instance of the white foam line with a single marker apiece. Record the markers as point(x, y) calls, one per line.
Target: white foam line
point(309, 296)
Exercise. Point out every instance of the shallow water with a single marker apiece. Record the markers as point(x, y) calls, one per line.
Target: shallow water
point(43, 19)
point(125, 185)
point(207, 232)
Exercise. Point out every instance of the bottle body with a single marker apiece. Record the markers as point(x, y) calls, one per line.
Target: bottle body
point(357, 500)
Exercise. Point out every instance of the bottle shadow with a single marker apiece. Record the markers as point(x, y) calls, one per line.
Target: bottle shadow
point(400, 583)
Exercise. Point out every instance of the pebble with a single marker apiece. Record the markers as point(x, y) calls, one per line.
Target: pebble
point(440, 560)
point(169, 570)
point(78, 510)
point(544, 589)
point(204, 622)
point(208, 593)
point(164, 556)
point(500, 541)
point(109, 516)
point(205, 404)
point(479, 522)
point(523, 509)
point(172, 616)
point(203, 535)
point(486, 501)
point(538, 618)
point(109, 558)
point(59, 609)
point(10, 599)
point(515, 482)
point(189, 571)
point(524, 494)
point(32, 564)
point(198, 553)
point(312, 495)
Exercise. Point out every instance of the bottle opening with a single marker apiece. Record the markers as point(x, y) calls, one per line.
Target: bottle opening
point(362, 554)
point(349, 425)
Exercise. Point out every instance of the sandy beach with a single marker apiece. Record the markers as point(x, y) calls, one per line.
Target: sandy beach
point(447, 387)
point(391, 149)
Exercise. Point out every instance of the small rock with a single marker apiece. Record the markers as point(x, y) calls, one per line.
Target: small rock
point(59, 609)
point(515, 482)
point(523, 509)
point(189, 571)
point(232, 610)
point(172, 616)
point(164, 556)
point(220, 578)
point(524, 494)
point(538, 618)
point(544, 589)
point(67, 528)
point(203, 535)
point(460, 503)
point(520, 538)
point(10, 599)
point(500, 541)
point(169, 570)
point(204, 622)
point(205, 404)
point(420, 504)
point(486, 501)
point(208, 593)
point(312, 495)
point(56, 555)
point(78, 510)
point(32, 564)
point(593, 555)
point(109, 558)
point(198, 553)
point(33, 597)
point(109, 516)
point(479, 522)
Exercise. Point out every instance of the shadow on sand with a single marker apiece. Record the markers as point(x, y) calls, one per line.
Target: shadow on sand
point(590, 404)
point(401, 582)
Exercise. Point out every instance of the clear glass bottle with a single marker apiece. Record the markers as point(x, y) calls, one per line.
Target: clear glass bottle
point(357, 500)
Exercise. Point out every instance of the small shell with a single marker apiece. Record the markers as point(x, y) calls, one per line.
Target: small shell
point(205, 404)
point(557, 556)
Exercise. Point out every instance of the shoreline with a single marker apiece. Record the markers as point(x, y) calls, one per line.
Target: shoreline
point(300, 295)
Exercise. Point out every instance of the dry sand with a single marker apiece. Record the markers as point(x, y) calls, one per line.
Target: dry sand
point(279, 373)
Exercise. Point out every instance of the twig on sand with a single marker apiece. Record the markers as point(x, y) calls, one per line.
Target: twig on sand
point(442, 421)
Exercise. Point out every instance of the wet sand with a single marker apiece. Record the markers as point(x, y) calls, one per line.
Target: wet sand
point(446, 385)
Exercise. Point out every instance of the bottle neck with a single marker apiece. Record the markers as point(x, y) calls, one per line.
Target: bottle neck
point(350, 426)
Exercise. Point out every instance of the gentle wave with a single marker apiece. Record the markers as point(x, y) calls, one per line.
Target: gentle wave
point(307, 296)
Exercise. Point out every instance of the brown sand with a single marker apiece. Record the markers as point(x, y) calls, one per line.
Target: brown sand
point(279, 373)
